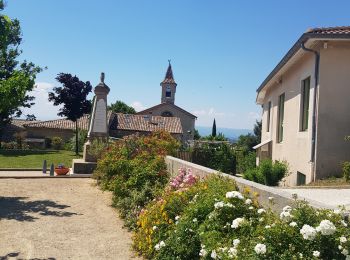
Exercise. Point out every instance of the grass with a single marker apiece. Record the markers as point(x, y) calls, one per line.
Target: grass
point(34, 159)
point(332, 181)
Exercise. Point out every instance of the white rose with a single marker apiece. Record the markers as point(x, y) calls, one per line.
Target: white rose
point(260, 249)
point(316, 254)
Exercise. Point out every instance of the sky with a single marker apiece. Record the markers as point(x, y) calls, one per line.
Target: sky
point(220, 50)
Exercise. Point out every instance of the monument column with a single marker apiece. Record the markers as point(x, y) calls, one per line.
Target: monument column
point(98, 128)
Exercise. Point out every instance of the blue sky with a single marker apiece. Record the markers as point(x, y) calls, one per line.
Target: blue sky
point(220, 50)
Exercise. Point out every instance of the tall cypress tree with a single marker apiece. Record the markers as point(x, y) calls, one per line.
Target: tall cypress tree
point(213, 130)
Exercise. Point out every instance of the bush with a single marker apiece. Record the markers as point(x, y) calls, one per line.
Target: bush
point(9, 145)
point(211, 220)
point(245, 161)
point(56, 142)
point(81, 141)
point(98, 148)
point(267, 173)
point(346, 171)
point(135, 170)
point(217, 156)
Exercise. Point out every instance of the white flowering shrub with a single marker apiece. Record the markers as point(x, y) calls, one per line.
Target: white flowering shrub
point(219, 222)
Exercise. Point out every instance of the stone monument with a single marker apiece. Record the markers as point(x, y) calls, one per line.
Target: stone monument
point(98, 128)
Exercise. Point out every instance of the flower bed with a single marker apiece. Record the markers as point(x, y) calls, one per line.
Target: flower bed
point(212, 220)
point(209, 218)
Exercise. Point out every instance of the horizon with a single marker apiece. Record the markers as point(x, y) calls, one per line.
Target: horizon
point(220, 52)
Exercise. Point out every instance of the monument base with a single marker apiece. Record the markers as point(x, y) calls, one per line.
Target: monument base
point(82, 167)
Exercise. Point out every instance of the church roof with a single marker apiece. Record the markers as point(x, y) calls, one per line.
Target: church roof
point(169, 76)
point(146, 111)
point(147, 123)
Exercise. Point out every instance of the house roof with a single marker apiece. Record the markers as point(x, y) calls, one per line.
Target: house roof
point(119, 122)
point(169, 76)
point(146, 111)
point(147, 123)
point(21, 122)
point(329, 33)
point(83, 123)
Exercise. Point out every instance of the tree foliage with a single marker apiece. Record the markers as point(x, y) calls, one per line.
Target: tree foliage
point(121, 107)
point(16, 78)
point(73, 96)
point(247, 142)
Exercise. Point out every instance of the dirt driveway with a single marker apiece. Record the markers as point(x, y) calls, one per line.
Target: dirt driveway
point(59, 219)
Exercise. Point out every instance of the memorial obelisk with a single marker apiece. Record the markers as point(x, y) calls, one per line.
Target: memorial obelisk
point(98, 128)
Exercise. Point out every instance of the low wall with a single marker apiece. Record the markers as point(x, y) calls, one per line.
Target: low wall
point(281, 198)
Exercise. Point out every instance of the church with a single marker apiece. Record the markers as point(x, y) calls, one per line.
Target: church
point(167, 107)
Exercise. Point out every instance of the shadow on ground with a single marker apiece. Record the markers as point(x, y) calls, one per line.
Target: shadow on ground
point(16, 254)
point(20, 209)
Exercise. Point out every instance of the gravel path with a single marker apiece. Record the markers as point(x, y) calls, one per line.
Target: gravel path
point(60, 218)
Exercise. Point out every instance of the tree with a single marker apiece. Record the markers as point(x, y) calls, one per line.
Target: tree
point(30, 117)
point(121, 107)
point(213, 130)
point(73, 97)
point(257, 130)
point(247, 142)
point(196, 136)
point(16, 78)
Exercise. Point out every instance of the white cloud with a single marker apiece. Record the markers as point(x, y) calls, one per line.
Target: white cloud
point(254, 115)
point(211, 112)
point(138, 106)
point(42, 109)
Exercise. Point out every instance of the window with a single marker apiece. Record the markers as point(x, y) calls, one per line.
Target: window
point(301, 179)
point(305, 97)
point(280, 118)
point(268, 117)
point(168, 92)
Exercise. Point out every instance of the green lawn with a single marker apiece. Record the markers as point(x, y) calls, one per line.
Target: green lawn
point(34, 159)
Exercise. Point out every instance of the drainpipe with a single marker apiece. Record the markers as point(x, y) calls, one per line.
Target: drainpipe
point(314, 113)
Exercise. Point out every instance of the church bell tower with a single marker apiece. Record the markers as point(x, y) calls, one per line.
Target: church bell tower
point(168, 86)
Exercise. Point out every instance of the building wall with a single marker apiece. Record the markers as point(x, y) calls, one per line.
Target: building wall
point(34, 132)
point(334, 109)
point(187, 121)
point(296, 145)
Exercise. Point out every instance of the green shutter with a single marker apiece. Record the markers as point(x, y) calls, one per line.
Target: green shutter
point(280, 117)
point(305, 104)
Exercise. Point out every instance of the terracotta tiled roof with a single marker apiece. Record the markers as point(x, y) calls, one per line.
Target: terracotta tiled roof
point(83, 123)
point(330, 30)
point(148, 123)
point(169, 77)
point(21, 122)
point(120, 122)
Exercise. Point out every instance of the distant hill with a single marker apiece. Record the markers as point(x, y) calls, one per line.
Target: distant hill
point(230, 133)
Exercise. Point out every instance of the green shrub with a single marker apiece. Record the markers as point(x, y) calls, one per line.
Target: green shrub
point(183, 240)
point(98, 148)
point(217, 156)
point(56, 142)
point(245, 161)
point(346, 171)
point(267, 173)
point(135, 170)
point(81, 141)
point(211, 220)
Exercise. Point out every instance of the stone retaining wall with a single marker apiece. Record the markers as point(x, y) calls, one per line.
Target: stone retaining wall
point(281, 198)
